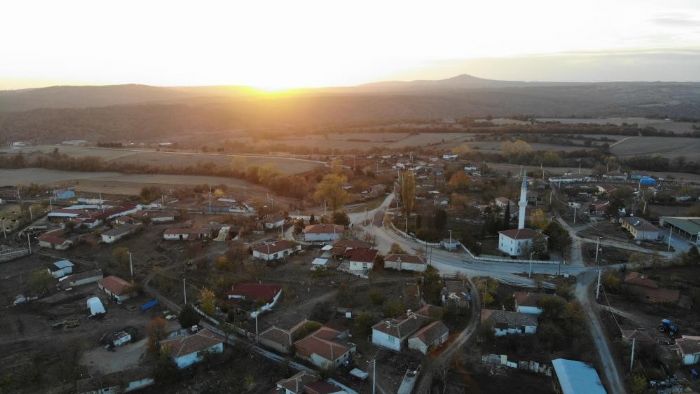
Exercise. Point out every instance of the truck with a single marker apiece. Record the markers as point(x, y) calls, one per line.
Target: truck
point(149, 305)
point(669, 327)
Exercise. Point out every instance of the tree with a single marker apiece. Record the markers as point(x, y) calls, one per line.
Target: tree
point(539, 219)
point(393, 308)
point(120, 255)
point(165, 369)
point(408, 191)
point(432, 285)
point(515, 148)
point(40, 281)
point(458, 181)
point(363, 325)
point(396, 249)
point(440, 219)
point(341, 218)
point(155, 329)
point(330, 189)
point(188, 317)
point(462, 149)
point(150, 193)
point(506, 217)
point(539, 246)
point(207, 300)
point(559, 238)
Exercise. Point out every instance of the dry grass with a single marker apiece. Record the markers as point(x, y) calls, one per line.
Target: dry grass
point(663, 146)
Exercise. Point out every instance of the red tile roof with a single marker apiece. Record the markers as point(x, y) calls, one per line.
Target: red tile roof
point(431, 332)
point(274, 247)
point(324, 228)
point(364, 255)
point(313, 344)
point(115, 285)
point(184, 345)
point(264, 292)
point(524, 233)
point(405, 258)
point(54, 237)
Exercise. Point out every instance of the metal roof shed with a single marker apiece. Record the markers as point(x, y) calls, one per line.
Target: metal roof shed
point(577, 377)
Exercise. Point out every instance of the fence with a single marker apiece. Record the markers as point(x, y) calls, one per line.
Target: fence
point(9, 255)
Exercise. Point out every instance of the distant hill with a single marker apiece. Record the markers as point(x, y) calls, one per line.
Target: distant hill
point(141, 112)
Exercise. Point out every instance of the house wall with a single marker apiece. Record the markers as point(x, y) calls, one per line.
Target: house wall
point(278, 347)
point(324, 363)
point(138, 384)
point(85, 281)
point(405, 266)
point(530, 310)
point(62, 272)
point(175, 237)
point(359, 266)
point(313, 237)
point(513, 247)
point(272, 256)
point(514, 331)
point(385, 340)
point(417, 344)
point(690, 359)
point(193, 358)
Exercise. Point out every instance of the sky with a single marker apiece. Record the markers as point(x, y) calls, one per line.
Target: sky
point(313, 43)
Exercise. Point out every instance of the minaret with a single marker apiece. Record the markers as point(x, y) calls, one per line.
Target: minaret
point(522, 204)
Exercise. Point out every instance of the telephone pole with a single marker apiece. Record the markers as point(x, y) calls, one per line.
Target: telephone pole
point(184, 290)
point(597, 288)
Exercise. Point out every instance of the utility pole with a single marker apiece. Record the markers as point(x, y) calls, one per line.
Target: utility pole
point(373, 363)
point(574, 214)
point(184, 290)
point(597, 288)
point(131, 266)
point(256, 328)
point(31, 215)
point(597, 247)
point(634, 340)
point(529, 274)
point(670, 235)
point(4, 232)
point(29, 242)
point(450, 237)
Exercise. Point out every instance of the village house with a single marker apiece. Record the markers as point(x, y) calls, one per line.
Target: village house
point(156, 216)
point(61, 268)
point(187, 350)
point(272, 222)
point(457, 292)
point(503, 203)
point(516, 242)
point(54, 239)
point(640, 229)
point(116, 288)
point(638, 284)
point(307, 383)
point(261, 296)
point(116, 382)
point(119, 232)
point(269, 251)
point(81, 278)
point(689, 349)
point(323, 350)
point(509, 323)
point(186, 233)
point(598, 208)
point(280, 337)
point(361, 259)
point(577, 377)
point(323, 232)
point(405, 262)
point(527, 302)
point(685, 227)
point(341, 246)
point(393, 333)
point(429, 337)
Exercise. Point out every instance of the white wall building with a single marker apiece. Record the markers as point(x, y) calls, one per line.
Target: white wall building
point(188, 350)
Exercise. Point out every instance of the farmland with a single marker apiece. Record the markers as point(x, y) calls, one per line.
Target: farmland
point(663, 146)
point(178, 159)
point(116, 183)
point(660, 124)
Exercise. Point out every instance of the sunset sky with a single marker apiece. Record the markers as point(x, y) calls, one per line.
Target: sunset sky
point(282, 44)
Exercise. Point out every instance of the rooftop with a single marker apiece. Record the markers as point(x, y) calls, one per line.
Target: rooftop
point(324, 228)
point(431, 332)
point(508, 318)
point(523, 233)
point(401, 327)
point(404, 258)
point(115, 285)
point(690, 225)
point(274, 247)
point(256, 291)
point(576, 377)
point(321, 344)
point(364, 255)
point(639, 223)
point(197, 342)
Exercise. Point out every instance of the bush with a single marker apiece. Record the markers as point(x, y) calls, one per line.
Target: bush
point(376, 297)
point(188, 317)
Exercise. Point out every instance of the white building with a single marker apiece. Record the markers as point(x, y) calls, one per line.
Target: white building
point(116, 287)
point(429, 337)
point(516, 242)
point(405, 262)
point(361, 259)
point(393, 333)
point(323, 232)
point(61, 268)
point(95, 306)
point(640, 229)
point(119, 232)
point(526, 302)
point(188, 350)
point(509, 323)
point(263, 295)
point(269, 251)
point(274, 222)
point(689, 349)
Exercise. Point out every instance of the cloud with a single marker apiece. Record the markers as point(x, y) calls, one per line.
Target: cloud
point(676, 20)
